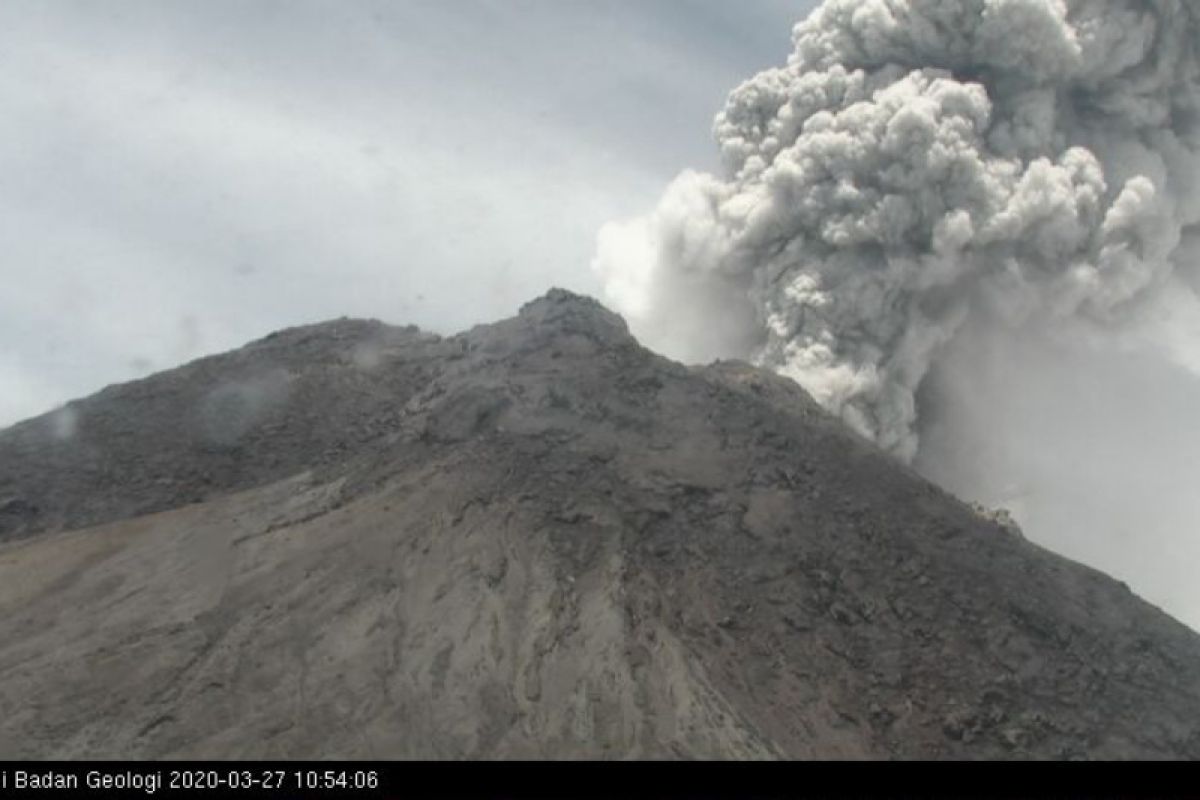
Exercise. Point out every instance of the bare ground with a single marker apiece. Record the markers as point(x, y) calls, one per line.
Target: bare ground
point(535, 539)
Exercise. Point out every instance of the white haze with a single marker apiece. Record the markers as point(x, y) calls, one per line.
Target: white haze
point(181, 177)
point(972, 229)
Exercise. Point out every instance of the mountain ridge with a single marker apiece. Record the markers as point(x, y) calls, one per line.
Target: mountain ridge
point(536, 539)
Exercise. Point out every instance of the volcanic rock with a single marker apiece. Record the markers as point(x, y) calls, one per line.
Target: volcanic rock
point(535, 539)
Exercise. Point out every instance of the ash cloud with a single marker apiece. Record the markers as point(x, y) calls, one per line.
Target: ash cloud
point(923, 180)
point(916, 164)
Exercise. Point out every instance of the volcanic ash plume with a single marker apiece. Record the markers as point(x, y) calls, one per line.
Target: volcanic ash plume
point(920, 167)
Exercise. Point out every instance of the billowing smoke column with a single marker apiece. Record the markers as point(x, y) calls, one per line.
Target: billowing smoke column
point(917, 165)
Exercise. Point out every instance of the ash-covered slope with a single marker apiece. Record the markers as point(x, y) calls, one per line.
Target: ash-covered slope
point(535, 539)
point(299, 399)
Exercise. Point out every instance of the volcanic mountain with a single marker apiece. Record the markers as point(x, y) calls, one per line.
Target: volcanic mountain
point(535, 539)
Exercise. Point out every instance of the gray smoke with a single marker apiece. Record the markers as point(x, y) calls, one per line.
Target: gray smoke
point(924, 168)
point(972, 229)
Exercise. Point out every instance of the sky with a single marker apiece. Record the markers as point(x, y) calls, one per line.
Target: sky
point(180, 178)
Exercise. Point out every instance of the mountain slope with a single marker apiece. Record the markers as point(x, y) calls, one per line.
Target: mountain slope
point(535, 539)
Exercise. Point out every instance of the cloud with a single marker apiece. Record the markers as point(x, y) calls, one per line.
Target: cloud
point(923, 179)
point(914, 162)
point(180, 178)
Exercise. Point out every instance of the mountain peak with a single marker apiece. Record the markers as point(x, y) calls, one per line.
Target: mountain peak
point(570, 312)
point(535, 539)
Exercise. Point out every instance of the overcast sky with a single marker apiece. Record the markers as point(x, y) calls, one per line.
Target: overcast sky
point(177, 178)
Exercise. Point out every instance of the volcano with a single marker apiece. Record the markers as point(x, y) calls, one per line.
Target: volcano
point(535, 539)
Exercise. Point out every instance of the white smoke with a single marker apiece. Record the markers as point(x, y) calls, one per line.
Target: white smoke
point(936, 196)
point(917, 163)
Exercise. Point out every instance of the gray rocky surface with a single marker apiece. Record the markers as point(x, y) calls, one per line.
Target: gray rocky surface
point(535, 539)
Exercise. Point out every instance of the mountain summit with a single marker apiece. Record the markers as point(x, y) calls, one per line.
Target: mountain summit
point(535, 539)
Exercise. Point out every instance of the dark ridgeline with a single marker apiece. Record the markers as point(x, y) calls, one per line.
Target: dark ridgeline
point(535, 539)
